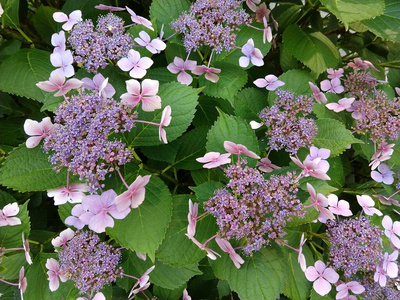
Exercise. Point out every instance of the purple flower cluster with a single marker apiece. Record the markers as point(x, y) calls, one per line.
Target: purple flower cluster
point(212, 23)
point(93, 48)
point(287, 122)
point(80, 141)
point(359, 83)
point(374, 291)
point(356, 245)
point(254, 208)
point(89, 262)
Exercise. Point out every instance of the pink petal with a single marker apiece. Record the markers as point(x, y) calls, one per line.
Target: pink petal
point(60, 17)
point(260, 82)
point(125, 64)
point(158, 44)
point(244, 61)
point(321, 286)
point(130, 100)
point(150, 87)
point(133, 87)
point(137, 72)
point(166, 116)
point(151, 103)
point(311, 273)
point(145, 63)
point(11, 209)
point(32, 142)
point(212, 77)
point(184, 78)
point(99, 222)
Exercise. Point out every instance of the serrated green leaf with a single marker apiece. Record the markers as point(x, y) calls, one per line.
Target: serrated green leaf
point(249, 102)
point(144, 228)
point(204, 175)
point(8, 48)
point(11, 236)
point(349, 11)
point(161, 74)
point(167, 294)
point(313, 49)
point(10, 15)
point(11, 131)
point(333, 135)
point(206, 190)
point(24, 69)
point(385, 25)
point(177, 250)
point(260, 277)
point(163, 152)
point(12, 264)
point(231, 79)
point(183, 102)
point(30, 170)
point(207, 112)
point(285, 14)
point(166, 11)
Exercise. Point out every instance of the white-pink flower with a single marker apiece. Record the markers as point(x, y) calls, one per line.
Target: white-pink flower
point(63, 60)
point(145, 92)
point(266, 165)
point(135, 64)
point(251, 54)
point(134, 196)
point(22, 282)
point(74, 193)
point(192, 218)
point(185, 295)
point(301, 259)
point(252, 4)
point(8, 213)
point(210, 253)
point(392, 230)
point(238, 149)
point(54, 273)
point(138, 19)
point(165, 121)
point(267, 32)
point(320, 202)
point(179, 66)
point(343, 104)
point(383, 174)
point(58, 41)
point(109, 8)
point(367, 205)
point(100, 85)
point(227, 247)
point(389, 264)
point(79, 217)
point(210, 72)
point(56, 83)
point(143, 282)
point(318, 95)
point(344, 288)
point(214, 159)
point(25, 244)
point(332, 86)
point(63, 239)
point(312, 168)
point(73, 18)
point(322, 277)
point(37, 131)
point(339, 207)
point(334, 73)
point(98, 296)
point(270, 82)
point(153, 45)
point(361, 64)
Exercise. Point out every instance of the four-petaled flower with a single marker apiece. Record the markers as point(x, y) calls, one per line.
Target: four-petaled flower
point(135, 64)
point(109, 8)
point(63, 60)
point(180, 66)
point(238, 149)
point(343, 289)
point(58, 41)
point(165, 121)
point(143, 282)
point(271, 82)
point(25, 244)
point(8, 213)
point(318, 95)
point(392, 230)
point(267, 32)
point(266, 165)
point(153, 45)
point(63, 239)
point(251, 54)
point(22, 282)
point(145, 92)
point(79, 217)
point(98, 296)
point(312, 168)
point(339, 207)
point(100, 85)
point(73, 18)
point(54, 273)
point(343, 104)
point(134, 196)
point(383, 174)
point(74, 193)
point(138, 19)
point(37, 131)
point(56, 83)
point(301, 259)
point(192, 218)
point(320, 202)
point(252, 4)
point(334, 73)
point(214, 159)
point(361, 64)
point(332, 86)
point(227, 247)
point(367, 205)
point(322, 277)
point(210, 72)
point(210, 253)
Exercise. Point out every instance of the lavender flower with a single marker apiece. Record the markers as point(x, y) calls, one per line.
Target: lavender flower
point(89, 262)
point(287, 122)
point(356, 245)
point(254, 208)
point(211, 23)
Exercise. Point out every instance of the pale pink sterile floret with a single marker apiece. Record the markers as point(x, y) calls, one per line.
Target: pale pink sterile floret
point(54, 274)
point(210, 72)
point(320, 202)
point(58, 41)
point(318, 95)
point(392, 230)
point(145, 92)
point(387, 200)
point(192, 217)
point(37, 131)
point(135, 194)
point(267, 32)
point(332, 86)
point(266, 165)
point(255, 125)
point(343, 104)
point(383, 174)
point(25, 244)
point(56, 83)
point(73, 18)
point(74, 193)
point(252, 4)
point(375, 162)
point(361, 64)
point(63, 60)
point(339, 207)
point(165, 121)
point(142, 282)
point(344, 288)
point(322, 277)
point(210, 253)
point(335, 73)
point(104, 210)
point(238, 149)
point(227, 247)
point(8, 213)
point(179, 66)
point(389, 264)
point(251, 54)
point(138, 19)
point(109, 8)
point(312, 168)
point(153, 45)
point(135, 64)
point(319, 156)
point(22, 282)
point(100, 85)
point(141, 256)
point(367, 205)
point(270, 82)
point(214, 159)
point(185, 295)
point(98, 296)
point(301, 259)
point(380, 275)
point(384, 150)
point(79, 217)
point(63, 239)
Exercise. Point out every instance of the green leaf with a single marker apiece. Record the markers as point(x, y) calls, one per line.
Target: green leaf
point(313, 49)
point(333, 135)
point(167, 294)
point(11, 131)
point(87, 7)
point(207, 110)
point(249, 102)
point(206, 190)
point(177, 250)
point(231, 79)
point(144, 228)
point(385, 25)
point(24, 69)
point(349, 11)
point(11, 236)
point(10, 15)
point(44, 23)
point(166, 11)
point(183, 101)
point(234, 129)
point(260, 277)
point(30, 170)
point(8, 48)
point(161, 74)
point(12, 264)
point(164, 152)
point(204, 175)
point(285, 14)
